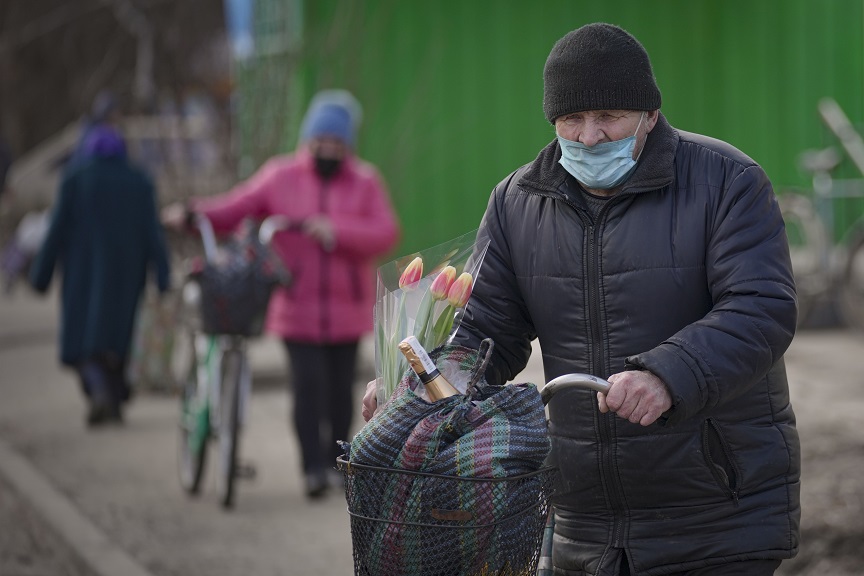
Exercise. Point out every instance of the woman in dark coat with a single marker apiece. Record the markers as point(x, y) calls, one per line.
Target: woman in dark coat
point(104, 234)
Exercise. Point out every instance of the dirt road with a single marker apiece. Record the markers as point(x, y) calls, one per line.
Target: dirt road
point(827, 390)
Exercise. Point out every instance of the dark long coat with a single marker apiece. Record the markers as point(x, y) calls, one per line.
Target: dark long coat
point(104, 235)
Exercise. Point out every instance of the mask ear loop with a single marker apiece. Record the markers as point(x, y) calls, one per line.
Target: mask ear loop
point(636, 135)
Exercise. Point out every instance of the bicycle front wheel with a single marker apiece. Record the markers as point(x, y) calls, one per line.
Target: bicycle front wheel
point(229, 424)
point(194, 422)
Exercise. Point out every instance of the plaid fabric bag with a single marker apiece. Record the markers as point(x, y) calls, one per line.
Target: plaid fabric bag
point(236, 287)
point(495, 432)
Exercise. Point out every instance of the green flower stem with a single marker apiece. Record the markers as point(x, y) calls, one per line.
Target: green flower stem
point(424, 317)
point(443, 325)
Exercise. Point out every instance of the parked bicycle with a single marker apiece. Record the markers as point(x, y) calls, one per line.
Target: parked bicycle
point(828, 264)
point(223, 302)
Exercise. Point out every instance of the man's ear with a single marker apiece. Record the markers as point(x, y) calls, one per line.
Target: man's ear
point(651, 118)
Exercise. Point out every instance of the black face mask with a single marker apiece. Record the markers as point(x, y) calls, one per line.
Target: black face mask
point(327, 167)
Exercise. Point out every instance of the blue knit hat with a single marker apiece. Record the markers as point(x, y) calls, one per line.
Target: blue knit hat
point(332, 112)
point(329, 120)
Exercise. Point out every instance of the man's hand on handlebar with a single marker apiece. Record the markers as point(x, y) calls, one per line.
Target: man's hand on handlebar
point(636, 395)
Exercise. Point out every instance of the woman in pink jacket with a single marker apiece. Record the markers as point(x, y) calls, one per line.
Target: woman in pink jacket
point(347, 222)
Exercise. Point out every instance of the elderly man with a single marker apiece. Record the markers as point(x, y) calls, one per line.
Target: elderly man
point(655, 258)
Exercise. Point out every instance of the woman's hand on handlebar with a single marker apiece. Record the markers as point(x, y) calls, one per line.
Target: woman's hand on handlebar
point(175, 216)
point(320, 228)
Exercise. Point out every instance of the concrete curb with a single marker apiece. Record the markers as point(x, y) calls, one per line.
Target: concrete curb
point(98, 552)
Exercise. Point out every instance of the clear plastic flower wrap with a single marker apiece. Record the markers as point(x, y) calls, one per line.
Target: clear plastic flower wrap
point(423, 294)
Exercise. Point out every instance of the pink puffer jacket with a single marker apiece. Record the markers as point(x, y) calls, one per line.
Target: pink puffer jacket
point(333, 291)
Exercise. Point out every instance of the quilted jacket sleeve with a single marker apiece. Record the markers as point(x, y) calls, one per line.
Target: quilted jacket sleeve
point(373, 231)
point(753, 317)
point(246, 200)
point(496, 309)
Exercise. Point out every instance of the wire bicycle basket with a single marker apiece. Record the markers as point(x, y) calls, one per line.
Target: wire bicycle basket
point(405, 522)
point(236, 281)
point(444, 517)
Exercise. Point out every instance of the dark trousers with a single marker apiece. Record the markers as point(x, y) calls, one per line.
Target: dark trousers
point(322, 380)
point(743, 568)
point(103, 378)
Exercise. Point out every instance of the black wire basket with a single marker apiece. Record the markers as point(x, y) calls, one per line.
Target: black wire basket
point(234, 299)
point(419, 524)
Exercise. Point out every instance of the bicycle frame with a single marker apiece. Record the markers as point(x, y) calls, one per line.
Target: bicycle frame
point(824, 260)
point(210, 351)
point(221, 377)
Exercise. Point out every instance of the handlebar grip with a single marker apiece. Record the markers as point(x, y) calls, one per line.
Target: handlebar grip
point(273, 224)
point(208, 236)
point(581, 381)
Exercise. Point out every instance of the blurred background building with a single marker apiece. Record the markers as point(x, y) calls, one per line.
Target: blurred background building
point(452, 90)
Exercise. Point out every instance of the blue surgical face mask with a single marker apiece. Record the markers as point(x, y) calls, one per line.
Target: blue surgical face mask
point(601, 166)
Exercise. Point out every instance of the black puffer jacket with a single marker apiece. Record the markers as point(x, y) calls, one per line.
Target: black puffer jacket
point(684, 273)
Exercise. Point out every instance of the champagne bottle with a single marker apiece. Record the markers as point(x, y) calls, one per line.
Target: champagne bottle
point(437, 387)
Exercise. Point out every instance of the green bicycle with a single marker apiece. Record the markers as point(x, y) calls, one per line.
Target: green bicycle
point(215, 376)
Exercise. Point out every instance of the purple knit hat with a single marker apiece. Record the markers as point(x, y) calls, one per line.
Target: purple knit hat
point(104, 142)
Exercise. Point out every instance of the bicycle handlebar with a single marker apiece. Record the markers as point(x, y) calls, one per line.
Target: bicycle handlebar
point(835, 118)
point(269, 227)
point(208, 237)
point(581, 381)
point(273, 224)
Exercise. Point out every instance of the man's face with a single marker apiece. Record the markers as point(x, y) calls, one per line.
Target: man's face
point(593, 127)
point(328, 147)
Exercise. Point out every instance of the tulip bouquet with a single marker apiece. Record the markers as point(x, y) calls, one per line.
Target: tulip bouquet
point(422, 294)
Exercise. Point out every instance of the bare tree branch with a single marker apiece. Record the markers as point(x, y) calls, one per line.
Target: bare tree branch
point(138, 25)
point(58, 18)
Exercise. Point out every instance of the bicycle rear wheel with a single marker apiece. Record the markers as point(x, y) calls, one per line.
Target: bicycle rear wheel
point(808, 245)
point(229, 424)
point(194, 423)
point(852, 287)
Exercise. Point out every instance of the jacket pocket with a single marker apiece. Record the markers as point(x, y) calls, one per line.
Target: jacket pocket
point(719, 458)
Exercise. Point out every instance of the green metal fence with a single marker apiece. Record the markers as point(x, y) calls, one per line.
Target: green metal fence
point(452, 90)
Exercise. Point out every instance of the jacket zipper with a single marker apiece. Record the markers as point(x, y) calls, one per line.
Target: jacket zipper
point(607, 459)
point(324, 292)
point(600, 368)
point(731, 488)
point(356, 286)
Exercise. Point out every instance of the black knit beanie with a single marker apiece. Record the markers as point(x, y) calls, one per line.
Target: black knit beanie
point(598, 67)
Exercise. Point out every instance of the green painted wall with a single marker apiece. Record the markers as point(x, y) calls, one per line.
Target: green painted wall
point(452, 90)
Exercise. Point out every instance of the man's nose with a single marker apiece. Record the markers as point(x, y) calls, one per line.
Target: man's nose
point(591, 134)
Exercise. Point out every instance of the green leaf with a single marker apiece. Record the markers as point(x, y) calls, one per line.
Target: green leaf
point(442, 326)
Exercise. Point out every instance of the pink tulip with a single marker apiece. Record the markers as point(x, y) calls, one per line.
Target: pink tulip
point(442, 283)
point(460, 290)
point(412, 274)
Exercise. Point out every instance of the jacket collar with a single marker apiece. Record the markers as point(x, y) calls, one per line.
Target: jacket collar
point(655, 170)
point(304, 155)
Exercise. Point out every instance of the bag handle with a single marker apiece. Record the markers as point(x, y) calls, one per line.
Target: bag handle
point(484, 355)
